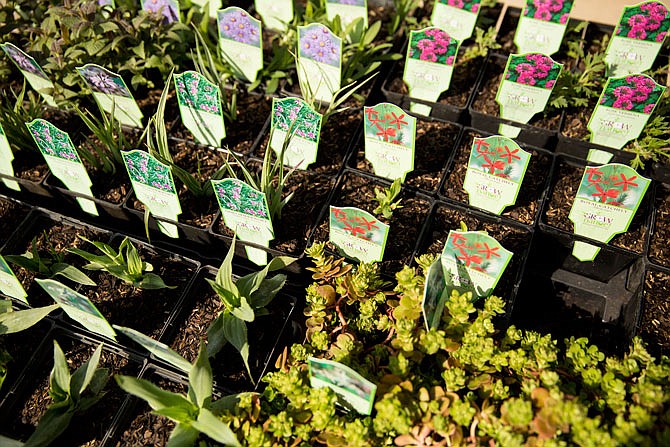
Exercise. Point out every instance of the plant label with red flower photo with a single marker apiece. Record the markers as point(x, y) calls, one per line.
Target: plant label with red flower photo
point(10, 284)
point(240, 41)
point(63, 160)
point(429, 66)
point(390, 134)
point(319, 62)
point(456, 17)
point(495, 172)
point(245, 211)
point(6, 158)
point(435, 295)
point(276, 14)
point(154, 186)
point(473, 262)
point(169, 9)
point(200, 107)
point(637, 38)
point(349, 11)
point(607, 199)
point(357, 234)
point(353, 390)
point(623, 110)
point(32, 71)
point(295, 120)
point(542, 26)
point(112, 94)
point(525, 88)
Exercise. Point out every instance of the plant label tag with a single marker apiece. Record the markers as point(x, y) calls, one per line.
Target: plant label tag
point(63, 160)
point(160, 350)
point(353, 390)
point(167, 8)
point(154, 186)
point(319, 62)
point(103, 3)
point(435, 295)
point(525, 88)
point(357, 234)
point(623, 110)
point(429, 65)
point(456, 17)
point(78, 307)
point(6, 157)
point(473, 262)
point(245, 211)
point(607, 199)
point(10, 284)
point(542, 26)
point(276, 14)
point(295, 120)
point(212, 5)
point(390, 135)
point(240, 41)
point(495, 172)
point(32, 71)
point(637, 38)
point(200, 107)
point(349, 11)
point(111, 93)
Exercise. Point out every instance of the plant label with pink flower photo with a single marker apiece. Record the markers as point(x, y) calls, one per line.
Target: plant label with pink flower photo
point(390, 134)
point(200, 107)
point(32, 71)
point(10, 284)
point(457, 17)
point(63, 160)
point(542, 26)
point(276, 14)
point(357, 234)
point(154, 186)
point(295, 120)
point(429, 65)
point(473, 262)
point(240, 42)
point(245, 211)
point(6, 158)
point(607, 200)
point(623, 110)
point(352, 389)
point(435, 295)
point(169, 9)
point(637, 38)
point(349, 11)
point(112, 94)
point(495, 172)
point(319, 62)
point(525, 89)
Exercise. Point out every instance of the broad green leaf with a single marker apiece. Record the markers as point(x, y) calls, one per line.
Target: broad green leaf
point(200, 378)
point(83, 375)
point(158, 349)
point(235, 331)
point(133, 259)
point(153, 281)
point(216, 338)
point(248, 284)
point(155, 397)
point(8, 442)
point(226, 295)
point(5, 306)
point(226, 403)
point(72, 273)
point(16, 321)
point(267, 291)
point(215, 428)
point(179, 413)
point(60, 374)
point(224, 277)
point(52, 424)
point(183, 436)
point(24, 261)
point(243, 311)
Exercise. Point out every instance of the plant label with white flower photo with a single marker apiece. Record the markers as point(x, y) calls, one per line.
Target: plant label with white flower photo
point(63, 160)
point(276, 14)
point(294, 119)
point(525, 88)
point(154, 186)
point(429, 66)
point(473, 262)
point(200, 107)
point(112, 94)
point(495, 172)
point(213, 6)
point(353, 390)
point(169, 9)
point(357, 234)
point(160, 350)
point(623, 110)
point(240, 42)
point(6, 158)
point(637, 38)
point(10, 284)
point(319, 62)
point(78, 307)
point(457, 17)
point(32, 71)
point(607, 200)
point(245, 211)
point(390, 135)
point(435, 295)
point(349, 11)
point(542, 26)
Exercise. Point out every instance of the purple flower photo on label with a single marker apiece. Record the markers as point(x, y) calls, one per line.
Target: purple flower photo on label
point(23, 61)
point(472, 5)
point(104, 81)
point(236, 24)
point(637, 93)
point(433, 45)
point(168, 8)
point(649, 21)
point(534, 69)
point(556, 11)
point(348, 2)
point(193, 90)
point(320, 45)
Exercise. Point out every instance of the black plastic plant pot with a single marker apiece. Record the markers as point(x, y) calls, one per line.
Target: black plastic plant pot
point(659, 250)
point(654, 323)
point(31, 191)
point(12, 214)
point(660, 171)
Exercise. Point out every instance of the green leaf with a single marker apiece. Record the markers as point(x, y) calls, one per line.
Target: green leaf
point(183, 436)
point(200, 378)
point(52, 424)
point(60, 374)
point(153, 281)
point(216, 337)
point(8, 442)
point(84, 374)
point(243, 311)
point(267, 291)
point(179, 414)
point(19, 320)
point(224, 276)
point(215, 428)
point(226, 403)
point(72, 273)
point(235, 331)
point(153, 395)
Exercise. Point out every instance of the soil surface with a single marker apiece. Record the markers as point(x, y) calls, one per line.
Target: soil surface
point(659, 250)
point(655, 320)
point(11, 215)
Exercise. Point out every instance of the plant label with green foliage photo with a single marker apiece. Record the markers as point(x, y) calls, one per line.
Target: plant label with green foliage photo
point(294, 119)
point(607, 199)
point(542, 26)
point(276, 14)
point(390, 134)
point(496, 168)
point(349, 11)
point(10, 284)
point(319, 62)
point(6, 158)
point(169, 9)
point(357, 234)
point(353, 390)
point(32, 71)
point(200, 107)
point(240, 40)
point(456, 17)
point(637, 38)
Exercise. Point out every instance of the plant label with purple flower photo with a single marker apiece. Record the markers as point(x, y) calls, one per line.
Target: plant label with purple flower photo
point(473, 262)
point(63, 160)
point(294, 119)
point(104, 3)
point(390, 135)
point(245, 211)
point(607, 199)
point(319, 62)
point(111, 93)
point(10, 284)
point(167, 8)
point(495, 172)
point(637, 38)
point(154, 186)
point(429, 65)
point(623, 110)
point(349, 11)
point(525, 88)
point(353, 390)
point(32, 71)
point(276, 14)
point(542, 26)
point(6, 158)
point(456, 17)
point(357, 234)
point(200, 107)
point(435, 295)
point(240, 42)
